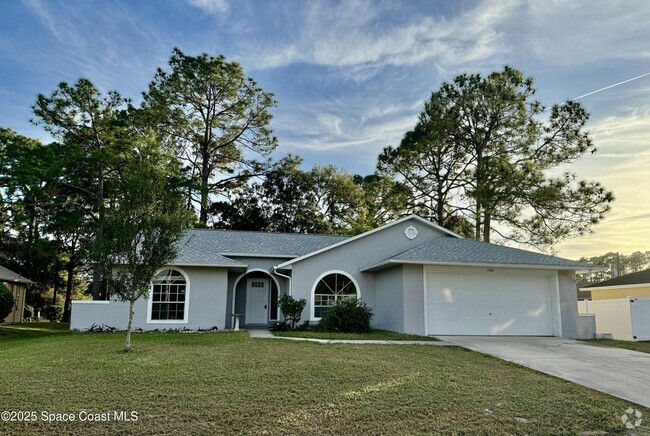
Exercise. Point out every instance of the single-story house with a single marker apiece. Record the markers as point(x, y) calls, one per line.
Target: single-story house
point(416, 276)
point(629, 285)
point(583, 295)
point(17, 285)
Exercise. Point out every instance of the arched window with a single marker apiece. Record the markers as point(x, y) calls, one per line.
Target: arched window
point(330, 289)
point(169, 292)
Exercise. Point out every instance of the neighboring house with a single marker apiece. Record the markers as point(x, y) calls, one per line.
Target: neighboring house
point(621, 306)
point(17, 285)
point(416, 276)
point(630, 285)
point(583, 295)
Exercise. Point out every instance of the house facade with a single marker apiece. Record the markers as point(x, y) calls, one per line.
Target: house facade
point(416, 277)
point(635, 284)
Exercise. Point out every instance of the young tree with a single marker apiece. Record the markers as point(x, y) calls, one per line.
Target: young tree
point(500, 146)
point(213, 116)
point(143, 226)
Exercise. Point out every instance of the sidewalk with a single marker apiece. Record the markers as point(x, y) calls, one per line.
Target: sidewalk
point(265, 334)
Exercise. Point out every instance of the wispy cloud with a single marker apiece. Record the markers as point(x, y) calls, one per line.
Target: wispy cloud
point(353, 35)
point(211, 6)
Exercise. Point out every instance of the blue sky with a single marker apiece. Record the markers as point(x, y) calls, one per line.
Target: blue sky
point(351, 76)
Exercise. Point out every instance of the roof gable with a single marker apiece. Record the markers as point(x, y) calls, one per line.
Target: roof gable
point(417, 218)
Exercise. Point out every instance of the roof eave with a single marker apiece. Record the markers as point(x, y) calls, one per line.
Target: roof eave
point(211, 265)
point(610, 287)
point(388, 263)
point(22, 280)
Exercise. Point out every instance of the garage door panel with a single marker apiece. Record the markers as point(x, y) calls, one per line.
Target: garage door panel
point(488, 304)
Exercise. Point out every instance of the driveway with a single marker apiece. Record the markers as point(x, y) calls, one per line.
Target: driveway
point(615, 371)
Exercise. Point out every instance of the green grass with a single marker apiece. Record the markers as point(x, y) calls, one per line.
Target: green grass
point(32, 329)
point(225, 383)
point(643, 346)
point(372, 335)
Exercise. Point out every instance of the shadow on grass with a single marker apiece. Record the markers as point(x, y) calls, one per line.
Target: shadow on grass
point(33, 330)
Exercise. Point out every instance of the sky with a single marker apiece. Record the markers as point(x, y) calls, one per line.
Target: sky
point(351, 76)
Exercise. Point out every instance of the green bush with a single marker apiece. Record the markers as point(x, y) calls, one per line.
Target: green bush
point(347, 316)
point(53, 313)
point(7, 302)
point(291, 309)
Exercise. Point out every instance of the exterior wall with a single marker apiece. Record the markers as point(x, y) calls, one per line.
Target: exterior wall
point(350, 257)
point(414, 299)
point(389, 307)
point(614, 293)
point(255, 264)
point(206, 306)
point(574, 325)
point(18, 290)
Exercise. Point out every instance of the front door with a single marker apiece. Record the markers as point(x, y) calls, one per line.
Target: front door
point(257, 300)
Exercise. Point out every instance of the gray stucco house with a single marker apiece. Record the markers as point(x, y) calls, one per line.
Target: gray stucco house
point(415, 275)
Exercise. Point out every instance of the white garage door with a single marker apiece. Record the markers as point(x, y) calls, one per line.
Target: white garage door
point(464, 302)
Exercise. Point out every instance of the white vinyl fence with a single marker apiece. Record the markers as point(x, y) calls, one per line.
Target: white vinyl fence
point(626, 319)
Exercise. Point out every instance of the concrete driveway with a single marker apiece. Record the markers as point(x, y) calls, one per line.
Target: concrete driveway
point(615, 371)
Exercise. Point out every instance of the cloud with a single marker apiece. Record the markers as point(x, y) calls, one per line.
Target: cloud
point(214, 7)
point(359, 35)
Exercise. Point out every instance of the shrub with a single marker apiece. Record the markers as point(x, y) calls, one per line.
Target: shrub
point(291, 309)
point(53, 313)
point(347, 316)
point(7, 302)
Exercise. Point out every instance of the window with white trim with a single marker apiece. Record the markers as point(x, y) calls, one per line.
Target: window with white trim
point(330, 289)
point(168, 301)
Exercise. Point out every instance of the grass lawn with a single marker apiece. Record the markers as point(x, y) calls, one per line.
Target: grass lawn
point(224, 383)
point(372, 335)
point(643, 346)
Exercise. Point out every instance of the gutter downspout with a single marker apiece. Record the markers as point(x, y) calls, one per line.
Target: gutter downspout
point(275, 271)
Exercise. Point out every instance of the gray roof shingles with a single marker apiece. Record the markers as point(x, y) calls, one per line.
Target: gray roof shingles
point(10, 276)
point(212, 247)
point(457, 251)
point(637, 278)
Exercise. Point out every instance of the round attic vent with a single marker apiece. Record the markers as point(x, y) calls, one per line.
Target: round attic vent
point(411, 232)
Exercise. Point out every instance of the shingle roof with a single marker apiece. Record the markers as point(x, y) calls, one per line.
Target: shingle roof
point(212, 247)
point(637, 278)
point(10, 276)
point(454, 251)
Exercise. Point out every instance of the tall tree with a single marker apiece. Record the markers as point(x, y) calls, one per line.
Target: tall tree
point(214, 117)
point(500, 147)
point(87, 123)
point(143, 226)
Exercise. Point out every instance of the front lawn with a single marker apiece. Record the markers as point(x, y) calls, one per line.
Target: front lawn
point(384, 335)
point(225, 383)
point(643, 346)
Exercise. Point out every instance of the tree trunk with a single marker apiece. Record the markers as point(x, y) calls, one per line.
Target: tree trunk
point(68, 291)
point(127, 339)
point(56, 286)
point(100, 206)
point(205, 178)
point(487, 222)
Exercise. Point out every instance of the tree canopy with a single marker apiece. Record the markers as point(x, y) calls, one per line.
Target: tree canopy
point(484, 150)
point(214, 117)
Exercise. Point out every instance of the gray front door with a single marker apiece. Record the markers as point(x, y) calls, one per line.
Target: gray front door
point(257, 300)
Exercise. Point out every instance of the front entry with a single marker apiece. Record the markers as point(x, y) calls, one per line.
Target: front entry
point(257, 300)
